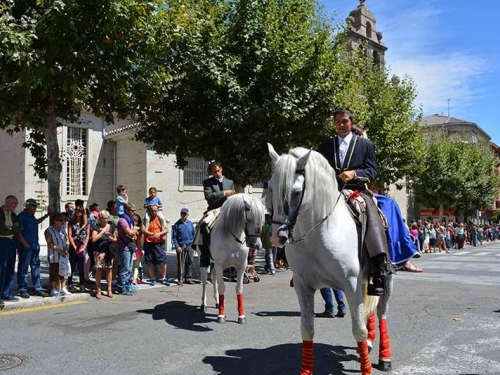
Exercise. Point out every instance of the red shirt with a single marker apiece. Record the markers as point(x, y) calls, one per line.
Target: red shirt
point(154, 227)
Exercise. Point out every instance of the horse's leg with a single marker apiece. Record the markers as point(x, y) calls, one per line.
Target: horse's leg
point(240, 271)
point(384, 352)
point(371, 325)
point(203, 275)
point(305, 295)
point(221, 318)
point(357, 298)
point(215, 288)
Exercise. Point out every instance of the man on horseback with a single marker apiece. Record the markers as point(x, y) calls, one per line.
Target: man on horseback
point(216, 189)
point(355, 164)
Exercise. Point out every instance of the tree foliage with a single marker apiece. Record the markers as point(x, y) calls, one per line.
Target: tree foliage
point(457, 175)
point(59, 58)
point(248, 72)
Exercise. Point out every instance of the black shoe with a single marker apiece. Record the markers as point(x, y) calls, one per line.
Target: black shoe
point(24, 295)
point(340, 314)
point(189, 281)
point(324, 314)
point(41, 293)
point(377, 287)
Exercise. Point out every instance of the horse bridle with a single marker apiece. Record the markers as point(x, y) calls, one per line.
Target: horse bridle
point(289, 226)
point(247, 235)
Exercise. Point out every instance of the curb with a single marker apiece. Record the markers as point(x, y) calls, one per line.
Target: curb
point(34, 302)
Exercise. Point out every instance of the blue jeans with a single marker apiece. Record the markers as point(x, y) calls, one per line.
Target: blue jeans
point(124, 279)
point(326, 293)
point(7, 266)
point(270, 257)
point(28, 257)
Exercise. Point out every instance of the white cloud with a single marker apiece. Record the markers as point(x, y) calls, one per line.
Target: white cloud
point(441, 77)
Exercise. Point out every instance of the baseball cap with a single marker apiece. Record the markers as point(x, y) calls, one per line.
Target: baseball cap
point(31, 202)
point(184, 211)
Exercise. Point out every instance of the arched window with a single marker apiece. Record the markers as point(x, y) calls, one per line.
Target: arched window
point(368, 30)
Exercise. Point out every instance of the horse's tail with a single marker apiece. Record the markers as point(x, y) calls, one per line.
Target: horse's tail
point(369, 302)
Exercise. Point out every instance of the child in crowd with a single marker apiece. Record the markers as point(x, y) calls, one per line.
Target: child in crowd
point(121, 200)
point(153, 199)
point(137, 265)
point(57, 247)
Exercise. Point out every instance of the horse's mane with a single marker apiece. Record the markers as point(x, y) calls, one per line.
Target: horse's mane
point(232, 215)
point(318, 174)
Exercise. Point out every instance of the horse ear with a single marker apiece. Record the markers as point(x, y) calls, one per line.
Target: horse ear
point(272, 153)
point(301, 163)
point(248, 202)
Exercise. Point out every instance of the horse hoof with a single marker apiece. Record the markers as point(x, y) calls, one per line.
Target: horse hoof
point(216, 305)
point(221, 319)
point(242, 320)
point(384, 365)
point(256, 279)
point(370, 348)
point(203, 308)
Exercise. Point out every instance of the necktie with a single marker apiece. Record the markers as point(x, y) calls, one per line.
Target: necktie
point(342, 151)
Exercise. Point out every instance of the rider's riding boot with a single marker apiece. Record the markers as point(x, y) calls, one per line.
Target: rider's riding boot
point(377, 286)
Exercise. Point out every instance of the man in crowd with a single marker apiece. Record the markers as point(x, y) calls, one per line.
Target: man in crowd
point(126, 248)
point(154, 246)
point(9, 228)
point(29, 250)
point(182, 239)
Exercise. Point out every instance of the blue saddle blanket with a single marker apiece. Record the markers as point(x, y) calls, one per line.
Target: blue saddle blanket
point(401, 246)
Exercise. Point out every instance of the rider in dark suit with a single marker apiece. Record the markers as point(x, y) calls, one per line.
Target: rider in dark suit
point(354, 161)
point(216, 189)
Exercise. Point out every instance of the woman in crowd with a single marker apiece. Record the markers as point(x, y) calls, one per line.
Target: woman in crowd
point(432, 238)
point(78, 232)
point(102, 237)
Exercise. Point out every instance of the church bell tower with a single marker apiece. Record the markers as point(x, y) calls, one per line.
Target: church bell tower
point(362, 32)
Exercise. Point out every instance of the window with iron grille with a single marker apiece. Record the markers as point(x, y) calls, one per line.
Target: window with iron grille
point(76, 161)
point(195, 172)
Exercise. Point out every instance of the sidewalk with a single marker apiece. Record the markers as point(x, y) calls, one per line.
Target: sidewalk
point(76, 298)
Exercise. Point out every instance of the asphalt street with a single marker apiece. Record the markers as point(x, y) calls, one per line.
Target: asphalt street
point(443, 321)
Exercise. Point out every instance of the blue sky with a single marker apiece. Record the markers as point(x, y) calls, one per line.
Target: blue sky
point(450, 48)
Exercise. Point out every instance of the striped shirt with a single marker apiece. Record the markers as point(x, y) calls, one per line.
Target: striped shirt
point(58, 239)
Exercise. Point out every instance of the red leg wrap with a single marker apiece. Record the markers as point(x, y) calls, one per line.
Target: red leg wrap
point(371, 326)
point(221, 304)
point(241, 310)
point(307, 358)
point(364, 358)
point(385, 345)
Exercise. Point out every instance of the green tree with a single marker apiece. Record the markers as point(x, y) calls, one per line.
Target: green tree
point(59, 58)
point(244, 73)
point(248, 72)
point(456, 175)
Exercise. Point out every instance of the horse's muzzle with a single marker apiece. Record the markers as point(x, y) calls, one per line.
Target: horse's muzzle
point(283, 234)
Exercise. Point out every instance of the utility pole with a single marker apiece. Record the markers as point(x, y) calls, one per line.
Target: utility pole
point(449, 107)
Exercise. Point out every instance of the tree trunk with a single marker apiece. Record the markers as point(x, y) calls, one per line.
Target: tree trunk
point(53, 164)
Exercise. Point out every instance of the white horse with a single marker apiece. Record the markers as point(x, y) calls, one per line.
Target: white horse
point(323, 250)
point(236, 230)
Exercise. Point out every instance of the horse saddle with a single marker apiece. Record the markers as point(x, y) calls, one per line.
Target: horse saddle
point(207, 221)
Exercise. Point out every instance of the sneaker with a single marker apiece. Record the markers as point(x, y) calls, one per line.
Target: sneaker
point(165, 282)
point(72, 288)
point(41, 293)
point(189, 281)
point(127, 293)
point(24, 295)
point(54, 293)
point(65, 292)
point(273, 272)
point(11, 299)
point(152, 282)
point(133, 288)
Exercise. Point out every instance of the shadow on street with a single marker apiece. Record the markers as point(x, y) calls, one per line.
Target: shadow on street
point(281, 360)
point(181, 315)
point(277, 313)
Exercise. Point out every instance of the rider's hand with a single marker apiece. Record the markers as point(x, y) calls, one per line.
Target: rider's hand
point(228, 193)
point(347, 176)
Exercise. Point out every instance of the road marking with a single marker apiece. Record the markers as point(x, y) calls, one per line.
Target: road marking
point(46, 307)
point(462, 253)
point(482, 254)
